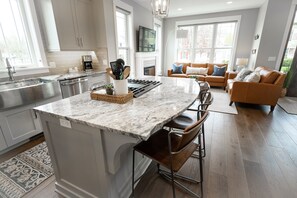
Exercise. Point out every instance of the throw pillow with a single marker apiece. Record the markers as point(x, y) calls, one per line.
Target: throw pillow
point(177, 69)
point(219, 71)
point(242, 74)
point(197, 70)
point(253, 77)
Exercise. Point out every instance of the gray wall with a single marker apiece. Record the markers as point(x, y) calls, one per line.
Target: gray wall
point(142, 17)
point(245, 36)
point(273, 31)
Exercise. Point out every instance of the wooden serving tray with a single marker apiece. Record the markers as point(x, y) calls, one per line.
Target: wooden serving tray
point(120, 99)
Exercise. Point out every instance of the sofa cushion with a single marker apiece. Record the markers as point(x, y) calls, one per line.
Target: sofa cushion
point(204, 65)
point(197, 70)
point(268, 76)
point(177, 69)
point(179, 75)
point(242, 74)
point(211, 66)
point(185, 65)
point(253, 77)
point(217, 79)
point(219, 71)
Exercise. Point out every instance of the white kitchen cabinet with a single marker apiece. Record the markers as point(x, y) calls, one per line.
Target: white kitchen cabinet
point(3, 144)
point(19, 124)
point(67, 24)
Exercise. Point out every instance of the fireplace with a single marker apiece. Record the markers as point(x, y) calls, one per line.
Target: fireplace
point(149, 71)
point(145, 64)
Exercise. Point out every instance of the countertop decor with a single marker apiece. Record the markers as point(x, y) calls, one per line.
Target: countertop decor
point(102, 96)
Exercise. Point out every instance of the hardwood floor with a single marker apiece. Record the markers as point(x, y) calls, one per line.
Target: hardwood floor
point(249, 155)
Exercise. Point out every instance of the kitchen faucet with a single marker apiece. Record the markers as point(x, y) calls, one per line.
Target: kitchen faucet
point(11, 70)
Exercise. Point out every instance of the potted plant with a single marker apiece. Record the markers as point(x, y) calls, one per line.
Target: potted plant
point(109, 89)
point(286, 68)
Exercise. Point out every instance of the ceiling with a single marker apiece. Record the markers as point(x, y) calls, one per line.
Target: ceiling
point(192, 7)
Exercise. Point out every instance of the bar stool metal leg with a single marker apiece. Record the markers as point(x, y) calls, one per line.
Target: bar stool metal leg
point(133, 173)
point(200, 164)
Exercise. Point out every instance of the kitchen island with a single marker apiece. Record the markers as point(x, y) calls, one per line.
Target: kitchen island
point(90, 142)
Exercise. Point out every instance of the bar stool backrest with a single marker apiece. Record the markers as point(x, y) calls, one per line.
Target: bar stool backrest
point(190, 133)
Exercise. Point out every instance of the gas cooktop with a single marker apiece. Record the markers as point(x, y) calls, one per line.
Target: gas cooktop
point(140, 87)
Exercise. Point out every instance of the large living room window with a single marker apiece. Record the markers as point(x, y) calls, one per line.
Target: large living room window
point(212, 43)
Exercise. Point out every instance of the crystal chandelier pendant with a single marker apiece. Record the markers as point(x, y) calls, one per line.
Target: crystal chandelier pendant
point(160, 8)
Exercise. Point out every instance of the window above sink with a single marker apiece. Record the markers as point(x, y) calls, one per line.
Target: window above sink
point(20, 38)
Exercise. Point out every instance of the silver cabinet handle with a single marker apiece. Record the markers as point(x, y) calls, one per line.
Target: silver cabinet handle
point(70, 83)
point(83, 80)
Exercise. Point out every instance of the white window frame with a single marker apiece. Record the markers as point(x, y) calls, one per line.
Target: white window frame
point(32, 26)
point(159, 54)
point(121, 5)
point(236, 18)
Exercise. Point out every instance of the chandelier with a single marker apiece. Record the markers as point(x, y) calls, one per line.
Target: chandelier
point(160, 7)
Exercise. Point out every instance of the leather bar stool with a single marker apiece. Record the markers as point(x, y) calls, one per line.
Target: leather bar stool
point(187, 118)
point(171, 150)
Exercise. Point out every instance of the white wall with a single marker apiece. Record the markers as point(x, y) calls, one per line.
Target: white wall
point(273, 31)
point(244, 42)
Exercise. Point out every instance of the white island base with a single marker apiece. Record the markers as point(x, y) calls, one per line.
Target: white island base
point(90, 142)
point(90, 162)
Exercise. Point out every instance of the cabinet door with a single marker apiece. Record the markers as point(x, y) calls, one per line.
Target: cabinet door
point(85, 23)
point(3, 144)
point(19, 124)
point(66, 24)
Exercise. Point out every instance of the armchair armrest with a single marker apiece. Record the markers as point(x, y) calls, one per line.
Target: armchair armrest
point(232, 75)
point(169, 72)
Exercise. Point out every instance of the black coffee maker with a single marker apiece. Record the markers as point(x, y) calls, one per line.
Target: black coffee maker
point(87, 62)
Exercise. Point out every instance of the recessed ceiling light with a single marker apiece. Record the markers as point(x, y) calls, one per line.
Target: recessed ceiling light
point(229, 2)
point(179, 9)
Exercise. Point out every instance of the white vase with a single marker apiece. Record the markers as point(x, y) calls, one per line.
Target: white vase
point(120, 86)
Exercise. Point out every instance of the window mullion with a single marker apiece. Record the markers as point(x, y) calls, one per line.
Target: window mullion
point(194, 44)
point(212, 51)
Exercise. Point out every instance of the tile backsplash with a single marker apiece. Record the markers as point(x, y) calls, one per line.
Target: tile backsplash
point(69, 59)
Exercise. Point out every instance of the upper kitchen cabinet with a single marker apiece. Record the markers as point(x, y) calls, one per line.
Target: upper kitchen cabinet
point(67, 24)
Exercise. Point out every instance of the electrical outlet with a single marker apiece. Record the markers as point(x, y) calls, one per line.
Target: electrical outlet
point(65, 123)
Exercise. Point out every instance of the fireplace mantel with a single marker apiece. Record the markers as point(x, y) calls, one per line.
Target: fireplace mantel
point(141, 59)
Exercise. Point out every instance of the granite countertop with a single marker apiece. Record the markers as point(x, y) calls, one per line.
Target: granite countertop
point(71, 75)
point(139, 117)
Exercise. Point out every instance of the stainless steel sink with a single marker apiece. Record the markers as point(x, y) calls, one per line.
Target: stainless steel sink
point(27, 91)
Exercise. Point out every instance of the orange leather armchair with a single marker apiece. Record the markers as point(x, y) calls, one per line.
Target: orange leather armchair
point(266, 92)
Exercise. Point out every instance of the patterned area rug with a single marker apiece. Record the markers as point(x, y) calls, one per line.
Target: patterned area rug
point(289, 104)
point(24, 172)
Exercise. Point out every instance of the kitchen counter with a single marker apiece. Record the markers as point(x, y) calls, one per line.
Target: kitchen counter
point(90, 142)
point(141, 116)
point(72, 75)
